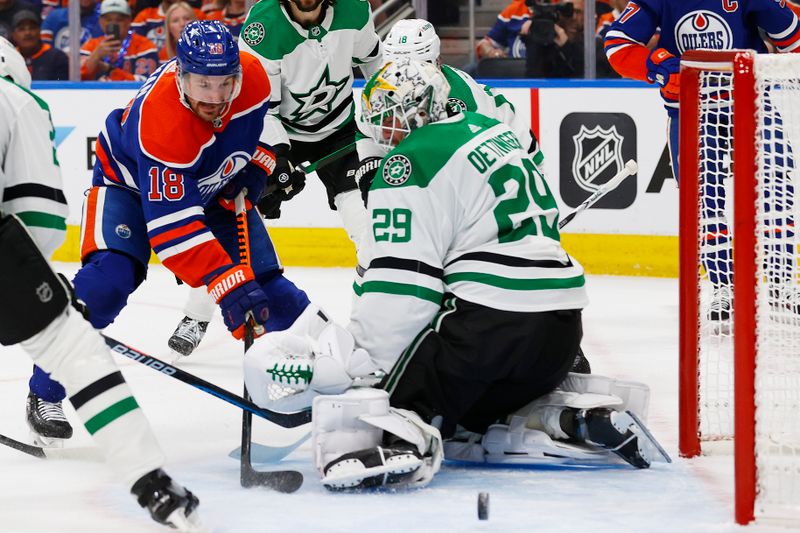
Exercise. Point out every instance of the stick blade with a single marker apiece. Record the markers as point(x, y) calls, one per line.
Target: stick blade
point(286, 481)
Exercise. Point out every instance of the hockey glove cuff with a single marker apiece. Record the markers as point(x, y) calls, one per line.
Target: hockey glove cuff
point(240, 297)
point(284, 183)
point(663, 69)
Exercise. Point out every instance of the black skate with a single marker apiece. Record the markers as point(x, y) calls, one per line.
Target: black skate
point(169, 503)
point(187, 336)
point(46, 421)
point(373, 467)
point(615, 431)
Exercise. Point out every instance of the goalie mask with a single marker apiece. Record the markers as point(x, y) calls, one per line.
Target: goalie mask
point(414, 39)
point(401, 97)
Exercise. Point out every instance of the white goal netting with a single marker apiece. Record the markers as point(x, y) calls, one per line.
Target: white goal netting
point(777, 296)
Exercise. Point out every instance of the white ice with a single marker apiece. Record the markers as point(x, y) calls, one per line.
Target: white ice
point(631, 331)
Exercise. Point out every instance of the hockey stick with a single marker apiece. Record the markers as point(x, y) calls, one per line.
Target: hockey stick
point(35, 451)
point(283, 480)
point(629, 169)
point(287, 420)
point(263, 453)
point(86, 453)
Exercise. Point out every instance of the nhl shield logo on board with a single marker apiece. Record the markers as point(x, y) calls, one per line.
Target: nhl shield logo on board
point(594, 148)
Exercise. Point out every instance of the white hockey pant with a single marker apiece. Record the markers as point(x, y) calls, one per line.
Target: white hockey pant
point(76, 356)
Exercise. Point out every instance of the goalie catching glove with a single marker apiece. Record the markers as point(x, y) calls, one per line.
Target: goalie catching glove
point(290, 359)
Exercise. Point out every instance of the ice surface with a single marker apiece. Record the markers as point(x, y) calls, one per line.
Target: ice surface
point(631, 332)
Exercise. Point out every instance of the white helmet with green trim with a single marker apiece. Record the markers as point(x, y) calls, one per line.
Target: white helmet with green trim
point(12, 65)
point(413, 38)
point(401, 97)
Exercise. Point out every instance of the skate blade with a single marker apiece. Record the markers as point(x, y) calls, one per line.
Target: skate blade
point(186, 524)
point(656, 451)
point(46, 442)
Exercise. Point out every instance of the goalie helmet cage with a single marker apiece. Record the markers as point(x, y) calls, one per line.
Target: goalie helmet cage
point(740, 373)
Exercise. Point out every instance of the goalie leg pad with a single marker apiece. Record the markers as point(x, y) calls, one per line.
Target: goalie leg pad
point(36, 295)
point(544, 413)
point(359, 441)
point(635, 395)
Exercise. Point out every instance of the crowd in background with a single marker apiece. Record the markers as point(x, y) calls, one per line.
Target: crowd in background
point(125, 40)
point(121, 40)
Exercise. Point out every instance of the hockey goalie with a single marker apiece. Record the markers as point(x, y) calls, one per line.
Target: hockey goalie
point(469, 310)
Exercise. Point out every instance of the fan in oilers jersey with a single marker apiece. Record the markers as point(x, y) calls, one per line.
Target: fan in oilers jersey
point(168, 167)
point(688, 25)
point(470, 305)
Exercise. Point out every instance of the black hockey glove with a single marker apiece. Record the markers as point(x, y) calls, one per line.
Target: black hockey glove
point(365, 174)
point(283, 184)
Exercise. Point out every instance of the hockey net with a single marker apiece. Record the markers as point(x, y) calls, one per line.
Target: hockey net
point(740, 363)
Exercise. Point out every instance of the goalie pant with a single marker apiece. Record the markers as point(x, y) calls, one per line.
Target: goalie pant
point(64, 344)
point(474, 364)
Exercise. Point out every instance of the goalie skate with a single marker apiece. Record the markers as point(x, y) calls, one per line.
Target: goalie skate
point(621, 433)
point(373, 467)
point(48, 424)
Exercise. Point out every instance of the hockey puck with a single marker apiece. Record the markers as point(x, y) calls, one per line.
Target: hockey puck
point(483, 506)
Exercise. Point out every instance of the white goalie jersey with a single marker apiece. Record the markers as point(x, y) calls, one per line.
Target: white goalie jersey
point(311, 70)
point(458, 207)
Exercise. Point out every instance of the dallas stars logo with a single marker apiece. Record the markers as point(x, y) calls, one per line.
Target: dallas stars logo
point(253, 33)
point(396, 170)
point(319, 99)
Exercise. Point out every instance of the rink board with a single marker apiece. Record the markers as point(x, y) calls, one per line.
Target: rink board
point(587, 130)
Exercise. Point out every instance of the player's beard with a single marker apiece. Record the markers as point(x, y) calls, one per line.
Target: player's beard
point(307, 6)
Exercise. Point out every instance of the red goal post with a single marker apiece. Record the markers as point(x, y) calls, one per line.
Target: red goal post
point(740, 371)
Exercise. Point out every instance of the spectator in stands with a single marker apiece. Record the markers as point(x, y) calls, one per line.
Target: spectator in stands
point(232, 14)
point(9, 8)
point(149, 22)
point(49, 5)
point(178, 15)
point(555, 43)
point(120, 54)
point(55, 28)
point(44, 62)
point(506, 38)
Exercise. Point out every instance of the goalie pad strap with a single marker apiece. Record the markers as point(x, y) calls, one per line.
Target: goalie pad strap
point(35, 293)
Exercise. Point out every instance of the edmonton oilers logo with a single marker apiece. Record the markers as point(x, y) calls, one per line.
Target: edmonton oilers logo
point(123, 231)
point(703, 29)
